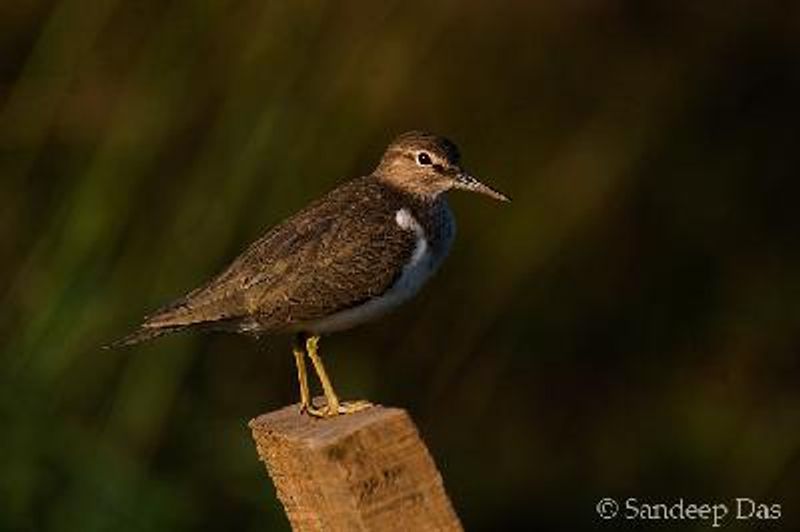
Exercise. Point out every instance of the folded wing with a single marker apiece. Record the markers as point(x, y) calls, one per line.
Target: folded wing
point(335, 254)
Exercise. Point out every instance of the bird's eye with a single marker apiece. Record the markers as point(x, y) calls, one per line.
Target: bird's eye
point(423, 158)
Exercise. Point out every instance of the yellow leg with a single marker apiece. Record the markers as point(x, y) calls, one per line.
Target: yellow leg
point(302, 377)
point(333, 407)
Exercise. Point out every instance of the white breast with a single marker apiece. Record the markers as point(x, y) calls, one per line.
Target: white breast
point(423, 263)
point(420, 267)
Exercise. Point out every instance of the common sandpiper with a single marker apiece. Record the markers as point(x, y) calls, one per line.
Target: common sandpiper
point(363, 249)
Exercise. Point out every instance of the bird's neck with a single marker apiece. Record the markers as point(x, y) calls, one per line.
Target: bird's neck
point(414, 190)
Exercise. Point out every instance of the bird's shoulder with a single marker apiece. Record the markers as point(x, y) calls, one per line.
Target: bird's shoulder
point(360, 212)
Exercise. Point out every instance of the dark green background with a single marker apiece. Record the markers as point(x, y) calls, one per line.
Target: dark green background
point(627, 326)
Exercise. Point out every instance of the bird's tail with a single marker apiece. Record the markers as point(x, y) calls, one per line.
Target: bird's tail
point(142, 334)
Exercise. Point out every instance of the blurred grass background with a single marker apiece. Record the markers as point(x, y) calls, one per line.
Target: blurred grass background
point(628, 326)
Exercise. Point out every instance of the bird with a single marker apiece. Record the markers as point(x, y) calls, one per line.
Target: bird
point(347, 258)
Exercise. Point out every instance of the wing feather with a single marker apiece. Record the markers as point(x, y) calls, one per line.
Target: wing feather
point(336, 253)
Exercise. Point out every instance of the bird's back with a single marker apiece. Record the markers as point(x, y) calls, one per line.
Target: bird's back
point(337, 253)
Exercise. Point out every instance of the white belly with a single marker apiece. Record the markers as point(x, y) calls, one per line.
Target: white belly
point(423, 264)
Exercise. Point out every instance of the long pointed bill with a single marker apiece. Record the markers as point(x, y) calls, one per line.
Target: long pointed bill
point(465, 181)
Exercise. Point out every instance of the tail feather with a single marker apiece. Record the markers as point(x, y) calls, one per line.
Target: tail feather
point(140, 335)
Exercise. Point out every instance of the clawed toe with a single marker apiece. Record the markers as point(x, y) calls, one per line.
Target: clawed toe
point(350, 407)
point(324, 411)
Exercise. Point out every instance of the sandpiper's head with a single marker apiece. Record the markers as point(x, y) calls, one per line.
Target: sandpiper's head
point(427, 165)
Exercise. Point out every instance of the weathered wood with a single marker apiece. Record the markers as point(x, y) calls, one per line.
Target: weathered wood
point(364, 471)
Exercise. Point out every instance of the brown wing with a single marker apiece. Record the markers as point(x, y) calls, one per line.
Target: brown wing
point(338, 252)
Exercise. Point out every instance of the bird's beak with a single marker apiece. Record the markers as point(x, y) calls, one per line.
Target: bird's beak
point(466, 181)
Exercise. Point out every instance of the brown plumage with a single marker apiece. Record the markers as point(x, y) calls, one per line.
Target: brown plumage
point(374, 236)
point(340, 251)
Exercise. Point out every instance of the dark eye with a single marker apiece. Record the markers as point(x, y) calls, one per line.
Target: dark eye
point(424, 158)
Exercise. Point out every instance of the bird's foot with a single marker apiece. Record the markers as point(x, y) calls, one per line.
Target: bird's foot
point(351, 407)
point(324, 411)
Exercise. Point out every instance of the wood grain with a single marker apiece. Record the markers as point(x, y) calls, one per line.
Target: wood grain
point(364, 471)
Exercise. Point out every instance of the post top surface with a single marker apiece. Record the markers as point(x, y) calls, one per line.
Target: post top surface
point(289, 423)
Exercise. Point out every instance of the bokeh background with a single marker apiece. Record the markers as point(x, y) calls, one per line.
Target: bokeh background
point(627, 326)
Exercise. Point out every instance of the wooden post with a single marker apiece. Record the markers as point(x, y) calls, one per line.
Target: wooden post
point(364, 471)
